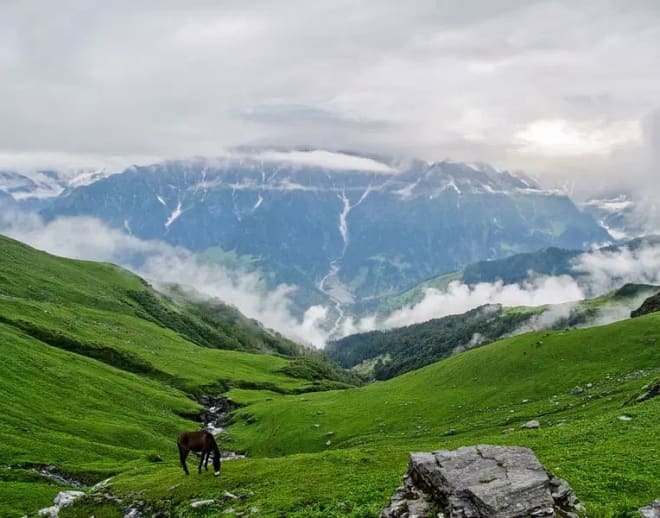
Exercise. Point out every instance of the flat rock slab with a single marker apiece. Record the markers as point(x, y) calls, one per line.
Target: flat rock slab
point(482, 481)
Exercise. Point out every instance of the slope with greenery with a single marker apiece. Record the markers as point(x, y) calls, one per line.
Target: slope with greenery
point(95, 381)
point(71, 405)
point(385, 354)
point(342, 453)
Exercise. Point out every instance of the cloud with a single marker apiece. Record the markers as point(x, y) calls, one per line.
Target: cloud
point(162, 78)
point(88, 238)
point(596, 273)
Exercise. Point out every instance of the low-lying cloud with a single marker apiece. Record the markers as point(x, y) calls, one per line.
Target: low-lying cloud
point(158, 262)
point(597, 272)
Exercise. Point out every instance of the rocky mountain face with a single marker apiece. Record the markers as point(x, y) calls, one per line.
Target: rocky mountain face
point(351, 227)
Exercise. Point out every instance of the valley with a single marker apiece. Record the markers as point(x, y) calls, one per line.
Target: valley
point(95, 388)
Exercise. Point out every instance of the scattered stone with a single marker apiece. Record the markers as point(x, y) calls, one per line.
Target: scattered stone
point(530, 425)
point(650, 391)
point(481, 482)
point(577, 390)
point(650, 511)
point(329, 434)
point(195, 504)
point(63, 499)
point(651, 341)
point(316, 425)
point(525, 401)
point(132, 513)
point(507, 431)
point(154, 458)
point(328, 442)
point(451, 431)
point(229, 495)
point(625, 417)
point(590, 385)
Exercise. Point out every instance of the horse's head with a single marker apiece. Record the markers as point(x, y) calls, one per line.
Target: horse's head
point(216, 463)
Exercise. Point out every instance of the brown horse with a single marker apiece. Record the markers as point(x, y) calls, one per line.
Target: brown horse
point(199, 442)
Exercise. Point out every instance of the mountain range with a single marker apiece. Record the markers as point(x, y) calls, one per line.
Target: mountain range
point(339, 226)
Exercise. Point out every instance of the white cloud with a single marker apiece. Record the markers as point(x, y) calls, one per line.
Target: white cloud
point(88, 238)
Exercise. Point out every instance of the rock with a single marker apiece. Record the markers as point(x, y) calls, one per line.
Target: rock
point(154, 458)
point(195, 504)
point(651, 391)
point(650, 305)
point(229, 495)
point(577, 390)
point(531, 425)
point(481, 482)
point(63, 499)
point(132, 513)
point(451, 431)
point(625, 417)
point(651, 511)
point(590, 385)
point(507, 431)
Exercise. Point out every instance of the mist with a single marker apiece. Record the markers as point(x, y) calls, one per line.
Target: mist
point(158, 262)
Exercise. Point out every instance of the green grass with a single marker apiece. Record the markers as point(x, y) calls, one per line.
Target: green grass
point(94, 389)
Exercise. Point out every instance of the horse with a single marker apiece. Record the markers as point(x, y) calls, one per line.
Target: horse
point(199, 442)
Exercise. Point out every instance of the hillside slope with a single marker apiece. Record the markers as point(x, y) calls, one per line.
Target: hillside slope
point(385, 354)
point(95, 380)
point(342, 453)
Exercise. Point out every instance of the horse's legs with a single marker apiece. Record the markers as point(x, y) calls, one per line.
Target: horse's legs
point(201, 461)
point(182, 456)
point(206, 462)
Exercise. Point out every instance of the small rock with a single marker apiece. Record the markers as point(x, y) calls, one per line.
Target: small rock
point(625, 417)
point(507, 431)
point(229, 495)
point(132, 513)
point(316, 425)
point(154, 458)
point(329, 434)
point(195, 504)
point(531, 424)
point(590, 385)
point(328, 442)
point(451, 431)
point(525, 401)
point(577, 390)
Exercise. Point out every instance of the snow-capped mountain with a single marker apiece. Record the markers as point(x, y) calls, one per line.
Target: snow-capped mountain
point(618, 214)
point(348, 225)
point(47, 183)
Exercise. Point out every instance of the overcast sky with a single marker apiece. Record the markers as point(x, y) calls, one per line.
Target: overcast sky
point(565, 90)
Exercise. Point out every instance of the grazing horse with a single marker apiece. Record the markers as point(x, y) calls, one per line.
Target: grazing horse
point(199, 442)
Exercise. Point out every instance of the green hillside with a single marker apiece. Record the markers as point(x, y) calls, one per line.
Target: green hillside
point(93, 383)
point(342, 453)
point(385, 354)
point(94, 390)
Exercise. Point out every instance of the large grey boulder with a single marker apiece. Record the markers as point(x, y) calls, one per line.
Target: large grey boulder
point(481, 482)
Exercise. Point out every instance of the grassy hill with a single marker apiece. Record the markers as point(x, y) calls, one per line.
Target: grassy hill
point(342, 453)
point(94, 379)
point(95, 390)
point(385, 354)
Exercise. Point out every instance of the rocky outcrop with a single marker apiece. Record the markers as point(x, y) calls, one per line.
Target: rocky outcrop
point(650, 305)
point(481, 482)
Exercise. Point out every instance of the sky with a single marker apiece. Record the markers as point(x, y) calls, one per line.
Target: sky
point(568, 91)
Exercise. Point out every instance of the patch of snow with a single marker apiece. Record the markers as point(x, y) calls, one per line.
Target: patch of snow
point(258, 204)
point(161, 200)
point(175, 214)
